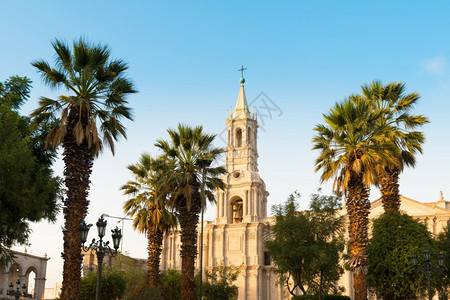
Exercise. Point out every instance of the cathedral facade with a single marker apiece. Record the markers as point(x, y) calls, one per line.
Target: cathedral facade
point(235, 236)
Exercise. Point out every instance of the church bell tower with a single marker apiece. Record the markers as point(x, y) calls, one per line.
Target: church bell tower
point(245, 197)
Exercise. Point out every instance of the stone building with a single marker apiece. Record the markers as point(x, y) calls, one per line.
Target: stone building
point(121, 261)
point(235, 236)
point(23, 266)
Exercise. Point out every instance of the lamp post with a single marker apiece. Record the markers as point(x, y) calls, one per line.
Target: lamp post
point(100, 247)
point(17, 293)
point(428, 267)
point(121, 219)
point(203, 164)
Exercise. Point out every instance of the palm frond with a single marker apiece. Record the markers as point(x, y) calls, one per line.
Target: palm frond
point(98, 90)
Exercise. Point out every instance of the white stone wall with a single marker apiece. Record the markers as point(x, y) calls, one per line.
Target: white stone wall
point(233, 244)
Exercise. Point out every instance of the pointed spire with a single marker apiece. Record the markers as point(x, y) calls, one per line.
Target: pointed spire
point(241, 110)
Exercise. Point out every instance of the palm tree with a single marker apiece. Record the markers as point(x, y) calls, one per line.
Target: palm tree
point(351, 149)
point(397, 106)
point(185, 147)
point(86, 119)
point(148, 208)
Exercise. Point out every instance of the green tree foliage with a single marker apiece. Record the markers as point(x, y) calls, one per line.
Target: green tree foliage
point(136, 280)
point(15, 91)
point(306, 246)
point(397, 115)
point(396, 236)
point(169, 289)
point(171, 285)
point(219, 282)
point(148, 208)
point(444, 248)
point(28, 189)
point(114, 284)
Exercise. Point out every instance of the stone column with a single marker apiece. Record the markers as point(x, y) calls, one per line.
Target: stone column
point(245, 203)
point(280, 288)
point(4, 283)
point(211, 237)
point(218, 204)
point(163, 253)
point(225, 206)
point(39, 288)
point(224, 245)
point(257, 277)
point(245, 245)
point(252, 288)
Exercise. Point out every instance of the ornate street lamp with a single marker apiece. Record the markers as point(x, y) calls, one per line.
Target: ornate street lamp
point(17, 293)
point(203, 164)
point(121, 219)
point(100, 247)
point(428, 267)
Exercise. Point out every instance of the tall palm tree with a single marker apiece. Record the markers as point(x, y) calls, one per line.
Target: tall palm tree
point(397, 107)
point(148, 207)
point(86, 118)
point(351, 148)
point(185, 147)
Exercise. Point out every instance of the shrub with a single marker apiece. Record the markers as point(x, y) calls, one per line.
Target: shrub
point(171, 285)
point(219, 284)
point(113, 285)
point(326, 297)
point(396, 236)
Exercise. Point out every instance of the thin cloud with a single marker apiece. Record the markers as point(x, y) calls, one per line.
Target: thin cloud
point(434, 66)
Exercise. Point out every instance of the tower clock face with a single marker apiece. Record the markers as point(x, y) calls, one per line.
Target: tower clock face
point(236, 174)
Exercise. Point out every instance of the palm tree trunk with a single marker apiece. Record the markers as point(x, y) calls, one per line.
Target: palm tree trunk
point(358, 208)
point(389, 188)
point(188, 222)
point(78, 161)
point(155, 239)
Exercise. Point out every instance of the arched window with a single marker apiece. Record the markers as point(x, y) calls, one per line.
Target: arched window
point(30, 280)
point(238, 210)
point(249, 136)
point(238, 138)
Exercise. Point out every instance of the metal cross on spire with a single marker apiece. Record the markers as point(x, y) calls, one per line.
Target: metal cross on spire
point(242, 69)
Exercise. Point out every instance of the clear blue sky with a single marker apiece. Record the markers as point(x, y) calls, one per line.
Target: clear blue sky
point(184, 56)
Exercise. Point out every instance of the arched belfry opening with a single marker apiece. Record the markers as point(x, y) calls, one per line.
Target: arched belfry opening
point(237, 210)
point(249, 136)
point(238, 138)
